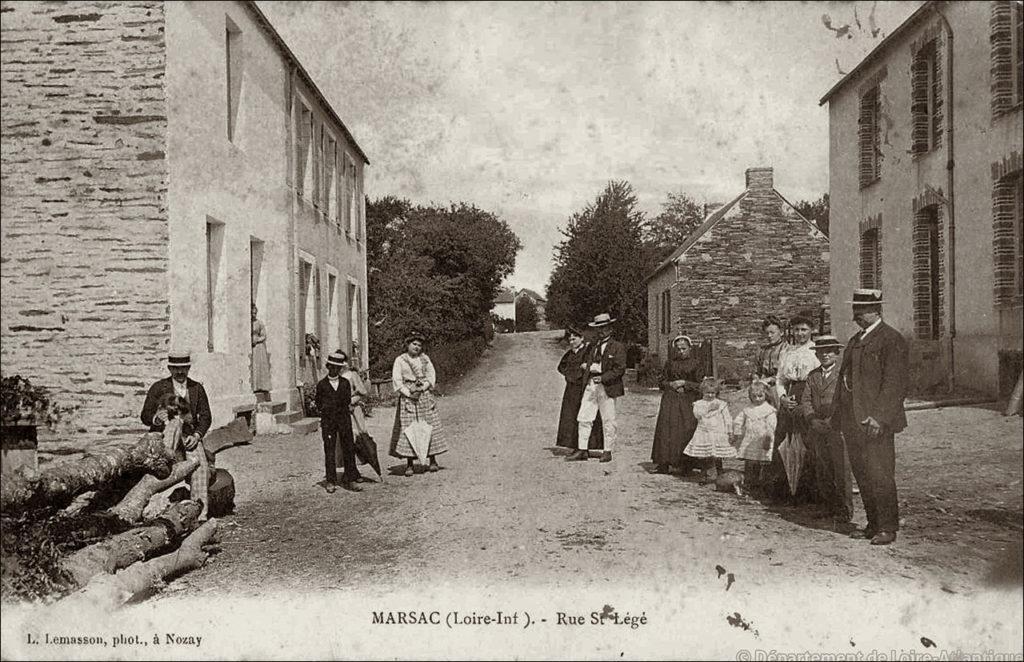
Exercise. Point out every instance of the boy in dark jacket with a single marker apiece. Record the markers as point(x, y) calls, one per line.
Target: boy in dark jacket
point(333, 401)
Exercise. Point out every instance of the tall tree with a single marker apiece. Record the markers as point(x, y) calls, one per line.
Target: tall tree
point(816, 212)
point(680, 215)
point(526, 314)
point(600, 263)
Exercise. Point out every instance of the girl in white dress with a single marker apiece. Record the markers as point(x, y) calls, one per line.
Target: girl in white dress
point(754, 432)
point(711, 440)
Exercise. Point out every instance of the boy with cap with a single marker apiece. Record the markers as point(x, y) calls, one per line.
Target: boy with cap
point(832, 476)
point(334, 402)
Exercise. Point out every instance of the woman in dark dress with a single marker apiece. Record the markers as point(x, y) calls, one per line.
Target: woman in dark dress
point(680, 384)
point(571, 367)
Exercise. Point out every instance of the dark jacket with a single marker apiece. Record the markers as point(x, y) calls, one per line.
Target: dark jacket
point(877, 367)
point(198, 405)
point(818, 395)
point(571, 364)
point(613, 366)
point(334, 406)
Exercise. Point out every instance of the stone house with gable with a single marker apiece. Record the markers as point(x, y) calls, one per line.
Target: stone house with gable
point(753, 256)
point(926, 185)
point(166, 165)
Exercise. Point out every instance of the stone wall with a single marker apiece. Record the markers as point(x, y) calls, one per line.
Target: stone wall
point(84, 213)
point(761, 258)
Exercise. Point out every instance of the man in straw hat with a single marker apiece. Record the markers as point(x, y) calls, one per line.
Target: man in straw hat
point(154, 414)
point(869, 402)
point(179, 361)
point(832, 474)
point(334, 402)
point(604, 366)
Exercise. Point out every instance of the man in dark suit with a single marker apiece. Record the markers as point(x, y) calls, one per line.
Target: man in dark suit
point(605, 367)
point(178, 363)
point(334, 402)
point(869, 402)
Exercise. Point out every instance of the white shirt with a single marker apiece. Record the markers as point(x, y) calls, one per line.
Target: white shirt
point(795, 363)
point(180, 388)
point(870, 328)
point(335, 382)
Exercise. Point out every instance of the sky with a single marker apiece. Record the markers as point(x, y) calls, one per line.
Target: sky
point(528, 109)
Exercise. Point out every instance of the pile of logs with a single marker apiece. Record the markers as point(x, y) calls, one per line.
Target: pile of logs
point(64, 507)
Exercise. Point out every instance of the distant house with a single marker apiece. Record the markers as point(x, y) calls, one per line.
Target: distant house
point(926, 186)
point(753, 256)
point(505, 304)
point(165, 166)
point(538, 301)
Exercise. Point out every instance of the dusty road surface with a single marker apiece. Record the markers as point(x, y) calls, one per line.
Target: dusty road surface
point(677, 569)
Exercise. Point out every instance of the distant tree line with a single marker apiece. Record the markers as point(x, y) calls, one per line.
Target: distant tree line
point(434, 269)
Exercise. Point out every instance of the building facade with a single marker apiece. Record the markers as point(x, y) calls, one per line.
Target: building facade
point(925, 140)
point(752, 257)
point(505, 305)
point(167, 165)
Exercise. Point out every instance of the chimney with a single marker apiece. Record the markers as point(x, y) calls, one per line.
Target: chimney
point(760, 179)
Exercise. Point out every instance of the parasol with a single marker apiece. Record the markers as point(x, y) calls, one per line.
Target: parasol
point(791, 452)
point(366, 452)
point(418, 434)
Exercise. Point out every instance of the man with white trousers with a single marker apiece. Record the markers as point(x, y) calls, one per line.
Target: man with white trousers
point(605, 365)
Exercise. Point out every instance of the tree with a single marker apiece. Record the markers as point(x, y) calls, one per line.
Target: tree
point(680, 216)
point(597, 263)
point(431, 268)
point(526, 314)
point(816, 212)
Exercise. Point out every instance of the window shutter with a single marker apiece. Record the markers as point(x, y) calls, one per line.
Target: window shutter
point(1002, 57)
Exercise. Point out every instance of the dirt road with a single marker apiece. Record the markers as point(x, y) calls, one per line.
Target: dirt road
point(509, 525)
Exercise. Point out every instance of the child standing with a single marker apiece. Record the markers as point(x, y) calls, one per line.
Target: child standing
point(711, 440)
point(754, 432)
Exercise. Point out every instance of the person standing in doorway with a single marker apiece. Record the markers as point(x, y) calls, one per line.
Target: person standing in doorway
point(604, 368)
point(260, 357)
point(334, 402)
point(869, 401)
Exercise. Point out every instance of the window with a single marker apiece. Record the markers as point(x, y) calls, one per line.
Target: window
point(926, 99)
point(1008, 238)
point(303, 143)
point(927, 274)
point(1007, 56)
point(353, 315)
point(216, 287)
point(869, 137)
point(350, 191)
point(666, 311)
point(333, 323)
point(330, 178)
point(233, 51)
point(871, 258)
point(318, 164)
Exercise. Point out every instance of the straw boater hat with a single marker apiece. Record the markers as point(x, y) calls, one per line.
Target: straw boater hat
point(179, 358)
point(337, 358)
point(866, 297)
point(604, 319)
point(826, 341)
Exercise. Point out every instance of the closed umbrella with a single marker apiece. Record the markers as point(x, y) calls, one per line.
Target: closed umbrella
point(366, 452)
point(418, 434)
point(792, 451)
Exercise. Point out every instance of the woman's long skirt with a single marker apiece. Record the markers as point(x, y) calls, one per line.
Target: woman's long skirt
point(407, 411)
point(260, 367)
point(673, 431)
point(568, 428)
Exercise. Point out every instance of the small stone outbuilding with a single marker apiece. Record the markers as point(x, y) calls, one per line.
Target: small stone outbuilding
point(754, 256)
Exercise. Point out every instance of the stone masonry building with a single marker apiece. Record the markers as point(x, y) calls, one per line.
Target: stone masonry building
point(754, 256)
point(926, 185)
point(165, 165)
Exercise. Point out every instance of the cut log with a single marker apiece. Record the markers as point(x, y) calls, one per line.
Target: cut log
point(134, 503)
point(56, 486)
point(108, 592)
point(126, 548)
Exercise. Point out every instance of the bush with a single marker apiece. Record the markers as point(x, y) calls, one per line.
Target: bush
point(23, 403)
point(455, 359)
